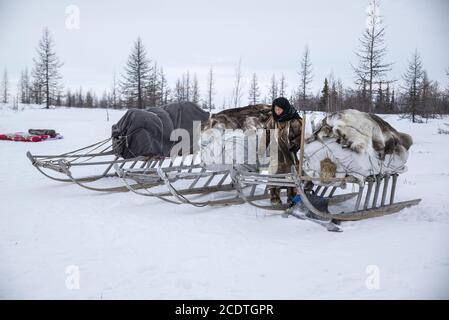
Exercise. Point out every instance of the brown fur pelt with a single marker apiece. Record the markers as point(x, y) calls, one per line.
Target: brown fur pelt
point(245, 118)
point(359, 131)
point(328, 169)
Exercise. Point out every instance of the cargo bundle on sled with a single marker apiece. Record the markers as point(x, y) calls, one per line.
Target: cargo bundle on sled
point(348, 150)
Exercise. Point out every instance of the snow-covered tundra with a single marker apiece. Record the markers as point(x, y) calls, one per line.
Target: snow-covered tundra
point(60, 241)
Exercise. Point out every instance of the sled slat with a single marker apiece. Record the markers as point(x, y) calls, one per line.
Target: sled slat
point(194, 182)
point(324, 191)
point(223, 179)
point(265, 192)
point(182, 164)
point(393, 188)
point(253, 190)
point(141, 166)
point(359, 197)
point(376, 191)
point(212, 176)
point(385, 189)
point(368, 194)
point(105, 172)
point(133, 164)
point(151, 164)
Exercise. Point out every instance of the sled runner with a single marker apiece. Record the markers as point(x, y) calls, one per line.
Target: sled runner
point(98, 156)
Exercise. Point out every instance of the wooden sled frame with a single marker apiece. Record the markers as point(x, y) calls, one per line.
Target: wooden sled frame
point(374, 198)
point(59, 167)
point(200, 182)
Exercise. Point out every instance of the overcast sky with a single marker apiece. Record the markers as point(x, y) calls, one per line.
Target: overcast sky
point(269, 37)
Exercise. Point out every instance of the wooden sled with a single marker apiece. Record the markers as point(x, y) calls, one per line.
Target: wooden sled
point(184, 180)
point(375, 196)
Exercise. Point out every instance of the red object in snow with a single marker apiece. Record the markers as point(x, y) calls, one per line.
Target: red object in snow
point(26, 137)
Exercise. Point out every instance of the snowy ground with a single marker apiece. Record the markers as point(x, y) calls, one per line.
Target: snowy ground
point(127, 246)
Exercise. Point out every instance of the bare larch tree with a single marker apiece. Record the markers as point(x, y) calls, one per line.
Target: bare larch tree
point(282, 86)
point(4, 87)
point(273, 89)
point(46, 76)
point(371, 68)
point(165, 90)
point(237, 92)
point(306, 76)
point(25, 87)
point(153, 89)
point(178, 94)
point(136, 77)
point(324, 98)
point(210, 89)
point(195, 90)
point(114, 96)
point(413, 79)
point(254, 91)
point(186, 85)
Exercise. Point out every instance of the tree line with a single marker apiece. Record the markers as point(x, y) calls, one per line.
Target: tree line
point(143, 84)
point(415, 97)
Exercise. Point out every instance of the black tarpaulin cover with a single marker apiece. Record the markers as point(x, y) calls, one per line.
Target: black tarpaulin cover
point(147, 132)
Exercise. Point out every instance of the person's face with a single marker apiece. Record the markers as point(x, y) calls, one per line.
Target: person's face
point(278, 110)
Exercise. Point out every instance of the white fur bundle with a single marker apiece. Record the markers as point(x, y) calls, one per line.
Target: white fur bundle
point(358, 143)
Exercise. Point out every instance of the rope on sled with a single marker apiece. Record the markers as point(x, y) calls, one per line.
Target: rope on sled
point(347, 169)
point(100, 144)
point(84, 148)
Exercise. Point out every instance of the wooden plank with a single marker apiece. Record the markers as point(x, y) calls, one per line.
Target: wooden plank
point(301, 150)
